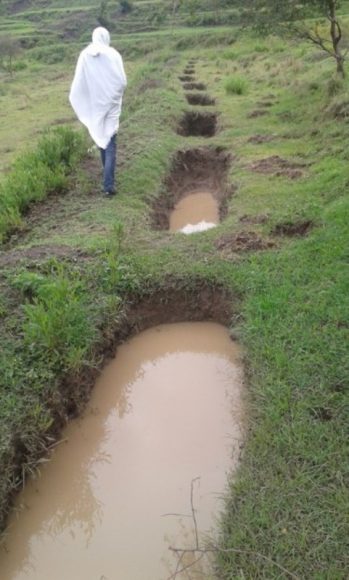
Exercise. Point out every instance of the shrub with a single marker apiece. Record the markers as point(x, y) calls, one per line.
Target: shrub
point(236, 86)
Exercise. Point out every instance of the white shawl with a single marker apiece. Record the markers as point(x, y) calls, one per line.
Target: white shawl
point(97, 88)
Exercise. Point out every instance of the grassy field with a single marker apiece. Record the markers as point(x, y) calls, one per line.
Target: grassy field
point(74, 263)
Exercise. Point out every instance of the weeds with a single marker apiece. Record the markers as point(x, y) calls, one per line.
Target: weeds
point(38, 173)
point(236, 86)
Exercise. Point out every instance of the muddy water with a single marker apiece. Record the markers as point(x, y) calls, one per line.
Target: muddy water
point(196, 208)
point(117, 492)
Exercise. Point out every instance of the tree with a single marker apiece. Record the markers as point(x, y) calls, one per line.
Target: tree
point(125, 6)
point(292, 17)
point(9, 48)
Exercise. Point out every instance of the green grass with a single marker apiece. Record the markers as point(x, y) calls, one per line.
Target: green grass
point(37, 174)
point(236, 86)
point(285, 509)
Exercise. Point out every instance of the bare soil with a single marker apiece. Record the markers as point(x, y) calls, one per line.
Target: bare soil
point(195, 124)
point(276, 165)
point(242, 242)
point(186, 78)
point(199, 99)
point(194, 87)
point(297, 228)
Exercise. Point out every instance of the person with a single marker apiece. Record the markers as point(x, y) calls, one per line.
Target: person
point(96, 97)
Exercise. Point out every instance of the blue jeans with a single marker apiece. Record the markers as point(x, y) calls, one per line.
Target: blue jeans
point(108, 156)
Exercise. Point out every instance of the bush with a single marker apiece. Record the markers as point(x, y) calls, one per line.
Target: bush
point(236, 86)
point(125, 6)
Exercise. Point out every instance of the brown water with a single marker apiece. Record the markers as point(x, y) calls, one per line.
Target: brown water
point(116, 494)
point(193, 209)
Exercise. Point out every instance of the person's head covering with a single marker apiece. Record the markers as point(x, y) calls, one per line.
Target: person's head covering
point(101, 35)
point(100, 41)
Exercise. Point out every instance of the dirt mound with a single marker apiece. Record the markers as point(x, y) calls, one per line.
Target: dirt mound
point(194, 87)
point(186, 78)
point(199, 99)
point(276, 165)
point(204, 169)
point(195, 124)
point(242, 242)
point(297, 228)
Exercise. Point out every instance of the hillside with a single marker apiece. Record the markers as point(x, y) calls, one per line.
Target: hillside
point(264, 122)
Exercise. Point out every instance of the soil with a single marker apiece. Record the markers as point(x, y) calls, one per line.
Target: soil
point(186, 78)
point(194, 170)
point(195, 124)
point(275, 165)
point(199, 99)
point(194, 87)
point(242, 242)
point(297, 228)
point(254, 219)
point(260, 139)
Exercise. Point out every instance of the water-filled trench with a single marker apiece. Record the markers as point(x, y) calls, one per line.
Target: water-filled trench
point(117, 492)
point(197, 211)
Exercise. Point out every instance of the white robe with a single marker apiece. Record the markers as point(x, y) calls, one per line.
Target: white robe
point(97, 88)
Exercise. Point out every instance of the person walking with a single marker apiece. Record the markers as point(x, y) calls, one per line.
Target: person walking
point(96, 97)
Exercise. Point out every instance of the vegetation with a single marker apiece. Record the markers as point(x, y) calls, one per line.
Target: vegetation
point(236, 86)
point(37, 174)
point(292, 18)
point(72, 264)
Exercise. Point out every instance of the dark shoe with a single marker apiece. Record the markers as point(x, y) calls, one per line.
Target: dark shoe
point(109, 193)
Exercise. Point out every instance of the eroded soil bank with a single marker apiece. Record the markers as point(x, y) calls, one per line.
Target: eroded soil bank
point(117, 493)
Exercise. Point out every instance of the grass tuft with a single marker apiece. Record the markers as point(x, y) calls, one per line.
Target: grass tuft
point(236, 86)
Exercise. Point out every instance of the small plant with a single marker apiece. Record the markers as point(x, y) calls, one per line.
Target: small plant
point(236, 86)
point(56, 319)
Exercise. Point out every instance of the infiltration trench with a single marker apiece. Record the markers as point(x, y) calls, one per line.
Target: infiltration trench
point(117, 492)
point(196, 191)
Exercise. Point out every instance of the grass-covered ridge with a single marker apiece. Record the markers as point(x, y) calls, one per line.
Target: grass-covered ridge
point(82, 259)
